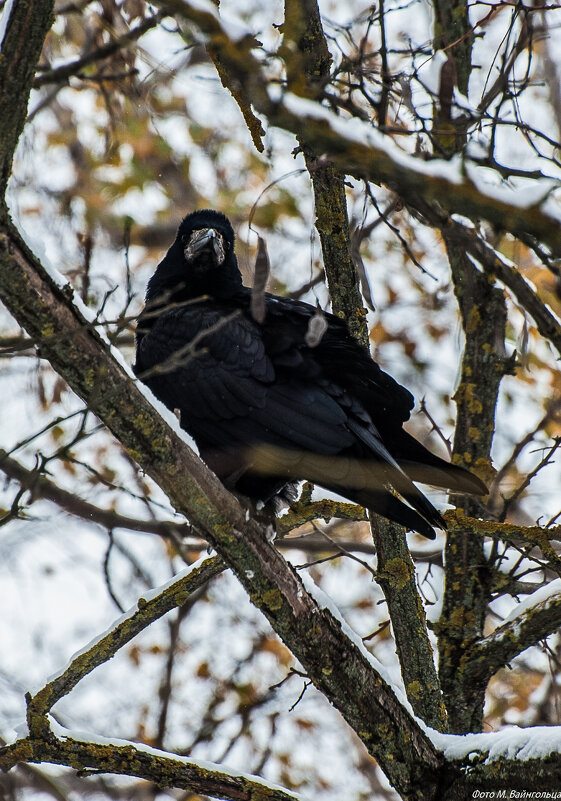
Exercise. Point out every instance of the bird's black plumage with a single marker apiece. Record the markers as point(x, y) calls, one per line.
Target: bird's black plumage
point(266, 408)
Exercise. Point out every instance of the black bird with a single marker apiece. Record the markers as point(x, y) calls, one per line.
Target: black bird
point(268, 405)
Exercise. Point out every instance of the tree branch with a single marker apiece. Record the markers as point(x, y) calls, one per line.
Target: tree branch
point(303, 512)
point(396, 576)
point(41, 487)
point(28, 23)
point(467, 573)
point(497, 265)
point(63, 747)
point(308, 61)
point(522, 631)
point(160, 601)
point(457, 522)
point(65, 71)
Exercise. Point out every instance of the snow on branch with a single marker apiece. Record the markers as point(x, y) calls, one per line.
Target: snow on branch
point(532, 620)
point(511, 743)
point(91, 753)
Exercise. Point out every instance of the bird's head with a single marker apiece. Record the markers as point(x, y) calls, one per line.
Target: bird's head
point(201, 261)
point(207, 240)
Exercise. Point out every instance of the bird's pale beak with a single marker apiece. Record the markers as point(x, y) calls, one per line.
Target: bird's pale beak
point(205, 240)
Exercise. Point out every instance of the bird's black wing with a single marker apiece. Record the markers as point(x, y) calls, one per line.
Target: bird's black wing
point(340, 358)
point(337, 356)
point(226, 388)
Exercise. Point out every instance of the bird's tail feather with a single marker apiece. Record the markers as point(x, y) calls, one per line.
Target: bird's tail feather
point(423, 466)
point(389, 505)
point(362, 481)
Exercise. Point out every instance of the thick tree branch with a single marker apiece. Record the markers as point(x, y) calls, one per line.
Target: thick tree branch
point(451, 35)
point(454, 34)
point(500, 771)
point(396, 576)
point(467, 580)
point(467, 583)
point(97, 754)
point(308, 63)
point(494, 264)
point(28, 24)
point(359, 150)
point(304, 512)
point(457, 522)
